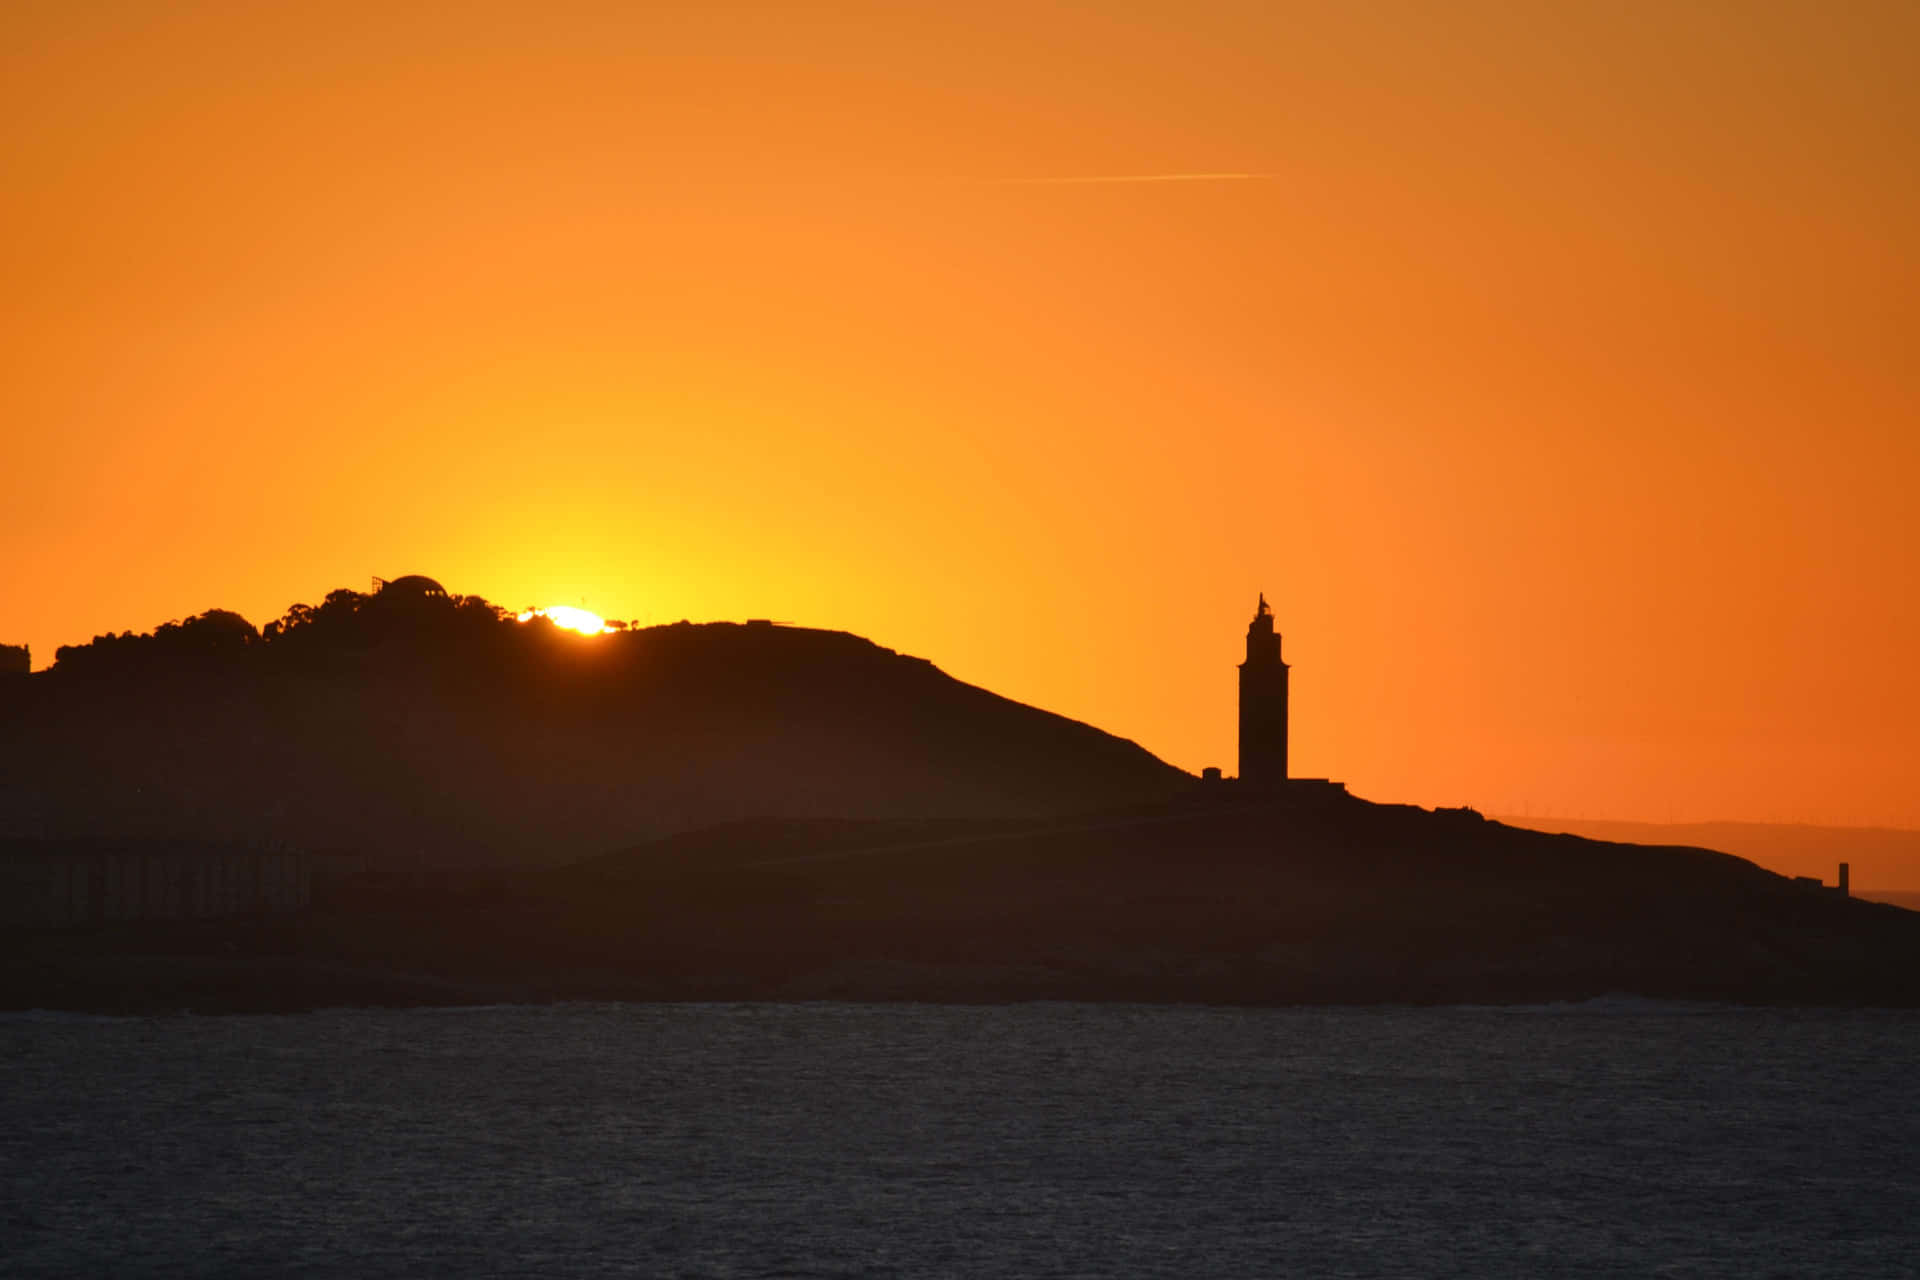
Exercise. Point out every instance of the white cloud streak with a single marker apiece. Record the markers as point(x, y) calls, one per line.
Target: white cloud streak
point(1107, 179)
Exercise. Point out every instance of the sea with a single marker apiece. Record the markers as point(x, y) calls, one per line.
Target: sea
point(1610, 1138)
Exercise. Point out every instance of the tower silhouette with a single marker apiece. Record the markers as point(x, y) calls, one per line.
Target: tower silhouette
point(1263, 703)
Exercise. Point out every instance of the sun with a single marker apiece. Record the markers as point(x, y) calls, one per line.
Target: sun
point(565, 615)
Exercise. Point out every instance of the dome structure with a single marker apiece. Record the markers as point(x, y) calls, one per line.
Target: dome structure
point(414, 584)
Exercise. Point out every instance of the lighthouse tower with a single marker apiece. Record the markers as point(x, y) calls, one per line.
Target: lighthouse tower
point(1263, 704)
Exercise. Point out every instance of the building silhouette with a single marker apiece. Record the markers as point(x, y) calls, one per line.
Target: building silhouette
point(1263, 704)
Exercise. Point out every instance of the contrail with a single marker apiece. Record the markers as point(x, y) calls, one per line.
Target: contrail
point(1121, 177)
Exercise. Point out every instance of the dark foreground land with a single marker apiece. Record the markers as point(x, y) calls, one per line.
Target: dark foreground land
point(1220, 901)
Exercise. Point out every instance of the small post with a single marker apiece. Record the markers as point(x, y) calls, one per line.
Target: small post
point(1843, 880)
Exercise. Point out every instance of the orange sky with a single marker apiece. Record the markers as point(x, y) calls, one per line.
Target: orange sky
point(1554, 374)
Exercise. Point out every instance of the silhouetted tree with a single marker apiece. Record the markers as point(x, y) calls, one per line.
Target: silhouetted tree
point(205, 639)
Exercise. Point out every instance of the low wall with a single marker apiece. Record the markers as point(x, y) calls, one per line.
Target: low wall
point(92, 886)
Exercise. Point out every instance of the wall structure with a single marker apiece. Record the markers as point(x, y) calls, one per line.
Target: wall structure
point(93, 885)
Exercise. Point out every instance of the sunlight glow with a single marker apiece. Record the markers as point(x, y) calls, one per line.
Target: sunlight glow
point(565, 615)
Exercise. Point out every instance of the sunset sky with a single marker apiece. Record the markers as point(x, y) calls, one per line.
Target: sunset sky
point(1552, 367)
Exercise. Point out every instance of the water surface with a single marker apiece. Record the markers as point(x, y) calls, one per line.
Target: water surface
point(1035, 1140)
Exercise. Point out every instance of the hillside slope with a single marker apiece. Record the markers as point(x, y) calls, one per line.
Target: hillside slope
point(432, 732)
point(1238, 899)
point(1884, 859)
point(1220, 897)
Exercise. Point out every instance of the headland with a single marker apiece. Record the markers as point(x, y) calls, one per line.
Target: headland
point(391, 810)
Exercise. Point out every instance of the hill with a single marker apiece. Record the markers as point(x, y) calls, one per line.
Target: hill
point(801, 814)
point(1243, 897)
point(412, 727)
point(1884, 860)
point(1225, 897)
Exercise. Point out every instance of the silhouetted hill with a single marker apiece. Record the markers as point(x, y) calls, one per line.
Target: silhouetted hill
point(421, 728)
point(1885, 860)
point(1240, 899)
point(1224, 896)
point(803, 814)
